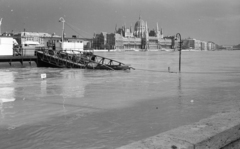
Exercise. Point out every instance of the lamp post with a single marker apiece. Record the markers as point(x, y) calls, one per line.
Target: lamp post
point(63, 21)
point(180, 49)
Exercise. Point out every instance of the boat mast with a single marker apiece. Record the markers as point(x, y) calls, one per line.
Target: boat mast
point(63, 21)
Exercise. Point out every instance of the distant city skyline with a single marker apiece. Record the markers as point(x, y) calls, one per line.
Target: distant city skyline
point(208, 20)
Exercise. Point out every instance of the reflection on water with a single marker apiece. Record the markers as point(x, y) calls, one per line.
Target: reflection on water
point(75, 108)
point(44, 87)
point(74, 85)
point(68, 87)
point(180, 93)
point(37, 99)
point(6, 93)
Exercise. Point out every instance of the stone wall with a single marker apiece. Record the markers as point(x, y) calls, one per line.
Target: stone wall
point(221, 131)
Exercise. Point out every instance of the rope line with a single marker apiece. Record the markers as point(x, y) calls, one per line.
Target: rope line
point(153, 70)
point(72, 27)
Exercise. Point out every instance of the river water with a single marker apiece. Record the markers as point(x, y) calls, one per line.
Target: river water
point(76, 108)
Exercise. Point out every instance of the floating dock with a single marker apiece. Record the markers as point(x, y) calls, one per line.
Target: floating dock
point(20, 59)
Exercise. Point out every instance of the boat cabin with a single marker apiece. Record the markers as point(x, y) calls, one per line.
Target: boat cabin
point(69, 44)
point(6, 45)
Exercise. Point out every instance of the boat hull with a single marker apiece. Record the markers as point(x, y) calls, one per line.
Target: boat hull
point(51, 60)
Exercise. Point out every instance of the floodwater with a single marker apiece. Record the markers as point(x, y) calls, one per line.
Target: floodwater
point(99, 109)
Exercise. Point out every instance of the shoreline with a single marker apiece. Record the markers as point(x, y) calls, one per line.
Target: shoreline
point(221, 130)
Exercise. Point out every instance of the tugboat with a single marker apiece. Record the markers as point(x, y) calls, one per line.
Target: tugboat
point(70, 54)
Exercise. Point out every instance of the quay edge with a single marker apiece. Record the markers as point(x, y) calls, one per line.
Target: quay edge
point(220, 131)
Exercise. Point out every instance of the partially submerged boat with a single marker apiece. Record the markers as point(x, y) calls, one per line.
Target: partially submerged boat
point(77, 59)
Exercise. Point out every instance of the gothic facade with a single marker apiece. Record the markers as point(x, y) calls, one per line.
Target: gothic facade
point(140, 37)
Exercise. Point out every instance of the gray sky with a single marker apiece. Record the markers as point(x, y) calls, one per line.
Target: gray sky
point(209, 20)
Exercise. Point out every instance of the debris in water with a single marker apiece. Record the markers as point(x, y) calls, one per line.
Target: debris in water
point(43, 76)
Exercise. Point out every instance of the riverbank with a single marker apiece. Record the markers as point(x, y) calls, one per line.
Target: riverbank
point(219, 131)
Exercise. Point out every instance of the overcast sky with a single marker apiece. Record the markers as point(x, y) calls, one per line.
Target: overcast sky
point(209, 20)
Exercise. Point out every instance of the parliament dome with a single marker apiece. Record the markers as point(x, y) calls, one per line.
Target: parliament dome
point(139, 25)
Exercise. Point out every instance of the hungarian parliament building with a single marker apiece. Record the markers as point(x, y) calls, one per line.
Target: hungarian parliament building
point(139, 38)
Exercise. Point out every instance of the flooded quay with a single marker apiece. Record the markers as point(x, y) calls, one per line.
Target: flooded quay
point(100, 109)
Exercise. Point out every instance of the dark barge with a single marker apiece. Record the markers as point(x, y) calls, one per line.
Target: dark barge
point(77, 59)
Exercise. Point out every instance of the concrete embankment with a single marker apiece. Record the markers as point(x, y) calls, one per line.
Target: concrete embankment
point(220, 131)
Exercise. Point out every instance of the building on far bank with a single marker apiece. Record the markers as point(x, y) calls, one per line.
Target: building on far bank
point(191, 43)
point(36, 38)
point(30, 40)
point(203, 45)
point(139, 37)
point(211, 46)
point(100, 40)
point(194, 44)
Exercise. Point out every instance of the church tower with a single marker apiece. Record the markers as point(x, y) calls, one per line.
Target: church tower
point(131, 28)
point(116, 28)
point(157, 32)
point(146, 31)
point(146, 37)
point(161, 33)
